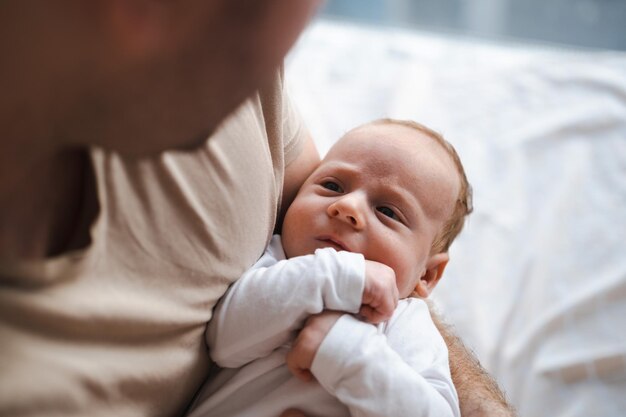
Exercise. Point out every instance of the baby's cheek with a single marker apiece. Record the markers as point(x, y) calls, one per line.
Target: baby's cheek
point(407, 275)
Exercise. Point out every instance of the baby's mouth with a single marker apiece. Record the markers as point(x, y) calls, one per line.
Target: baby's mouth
point(334, 243)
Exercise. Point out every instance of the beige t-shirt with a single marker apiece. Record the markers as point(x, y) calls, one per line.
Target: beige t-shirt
point(117, 329)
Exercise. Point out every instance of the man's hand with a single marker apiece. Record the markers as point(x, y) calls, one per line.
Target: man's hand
point(380, 294)
point(305, 347)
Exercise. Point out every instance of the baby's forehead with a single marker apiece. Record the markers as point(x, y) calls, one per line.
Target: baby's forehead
point(388, 134)
point(387, 145)
point(403, 156)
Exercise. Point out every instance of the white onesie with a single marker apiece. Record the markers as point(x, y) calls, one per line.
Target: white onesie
point(397, 368)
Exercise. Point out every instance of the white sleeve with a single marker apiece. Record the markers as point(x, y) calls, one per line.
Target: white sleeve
point(402, 372)
point(262, 309)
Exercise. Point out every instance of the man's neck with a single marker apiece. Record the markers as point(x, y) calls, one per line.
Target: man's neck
point(42, 204)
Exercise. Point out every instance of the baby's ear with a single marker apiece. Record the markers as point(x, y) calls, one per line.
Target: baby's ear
point(435, 266)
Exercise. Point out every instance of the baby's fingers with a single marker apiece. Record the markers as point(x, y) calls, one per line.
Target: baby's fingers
point(296, 365)
point(371, 315)
point(380, 292)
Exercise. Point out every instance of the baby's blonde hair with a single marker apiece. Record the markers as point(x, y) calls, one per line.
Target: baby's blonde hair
point(463, 205)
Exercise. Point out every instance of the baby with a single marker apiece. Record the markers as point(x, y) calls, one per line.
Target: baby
point(371, 225)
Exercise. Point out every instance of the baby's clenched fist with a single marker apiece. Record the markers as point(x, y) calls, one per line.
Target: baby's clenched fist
point(380, 294)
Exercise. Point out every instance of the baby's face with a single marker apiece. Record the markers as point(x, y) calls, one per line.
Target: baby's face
point(384, 191)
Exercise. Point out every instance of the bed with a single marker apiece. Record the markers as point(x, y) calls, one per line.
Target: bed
point(536, 285)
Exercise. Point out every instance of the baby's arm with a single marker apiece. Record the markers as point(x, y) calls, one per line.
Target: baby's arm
point(272, 299)
point(403, 372)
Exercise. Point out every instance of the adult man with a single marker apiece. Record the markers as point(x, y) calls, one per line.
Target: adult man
point(111, 253)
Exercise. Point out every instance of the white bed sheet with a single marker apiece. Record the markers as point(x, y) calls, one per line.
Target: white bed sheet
point(537, 281)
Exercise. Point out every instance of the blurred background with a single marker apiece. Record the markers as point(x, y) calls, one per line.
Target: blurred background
point(532, 94)
point(586, 23)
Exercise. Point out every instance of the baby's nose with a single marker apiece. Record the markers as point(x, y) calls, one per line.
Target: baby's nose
point(349, 210)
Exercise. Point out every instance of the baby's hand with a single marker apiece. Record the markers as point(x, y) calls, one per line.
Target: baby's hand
point(303, 350)
point(380, 295)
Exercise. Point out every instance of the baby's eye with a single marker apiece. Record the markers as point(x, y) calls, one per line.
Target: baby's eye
point(388, 212)
point(332, 186)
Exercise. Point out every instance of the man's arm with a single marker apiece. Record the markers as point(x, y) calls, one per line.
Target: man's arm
point(479, 394)
point(296, 173)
